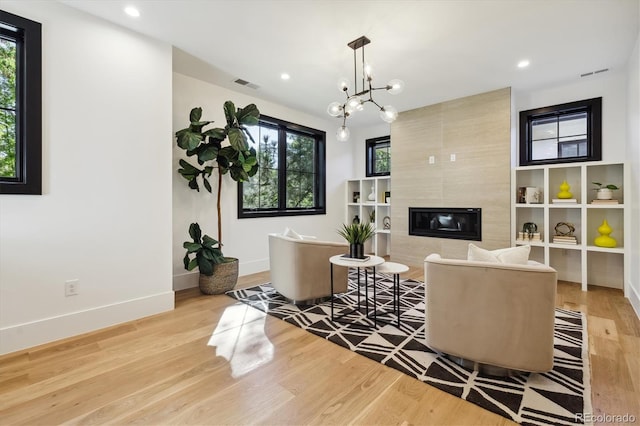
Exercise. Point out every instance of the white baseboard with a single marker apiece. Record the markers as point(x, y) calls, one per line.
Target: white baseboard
point(22, 336)
point(248, 268)
point(634, 299)
point(190, 279)
point(186, 280)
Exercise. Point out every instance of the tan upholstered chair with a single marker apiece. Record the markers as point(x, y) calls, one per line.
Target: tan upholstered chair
point(300, 269)
point(491, 314)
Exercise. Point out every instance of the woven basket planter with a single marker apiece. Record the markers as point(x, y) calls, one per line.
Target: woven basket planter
point(224, 278)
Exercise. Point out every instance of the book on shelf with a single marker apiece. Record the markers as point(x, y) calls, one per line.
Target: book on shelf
point(605, 202)
point(565, 239)
point(564, 201)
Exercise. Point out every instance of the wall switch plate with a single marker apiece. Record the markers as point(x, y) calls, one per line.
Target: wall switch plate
point(432, 159)
point(71, 287)
point(452, 157)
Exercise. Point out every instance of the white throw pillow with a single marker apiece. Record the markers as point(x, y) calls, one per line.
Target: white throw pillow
point(288, 232)
point(515, 255)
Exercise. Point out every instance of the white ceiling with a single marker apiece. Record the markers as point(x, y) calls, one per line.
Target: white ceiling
point(442, 49)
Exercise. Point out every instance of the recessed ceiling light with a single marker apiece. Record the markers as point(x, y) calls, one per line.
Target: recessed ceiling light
point(285, 76)
point(524, 63)
point(132, 11)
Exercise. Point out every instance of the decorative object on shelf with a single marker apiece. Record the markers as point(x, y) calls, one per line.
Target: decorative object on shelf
point(372, 195)
point(604, 240)
point(355, 101)
point(356, 234)
point(604, 192)
point(356, 197)
point(533, 195)
point(372, 216)
point(386, 222)
point(529, 228)
point(564, 191)
point(564, 233)
point(387, 197)
point(356, 219)
point(529, 233)
point(521, 198)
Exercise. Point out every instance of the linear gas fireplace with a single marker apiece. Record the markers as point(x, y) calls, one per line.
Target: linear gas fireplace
point(458, 223)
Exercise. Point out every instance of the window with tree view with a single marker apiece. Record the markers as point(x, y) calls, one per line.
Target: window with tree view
point(20, 105)
point(291, 177)
point(561, 133)
point(378, 160)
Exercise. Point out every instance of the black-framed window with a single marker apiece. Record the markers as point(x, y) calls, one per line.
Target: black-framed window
point(562, 133)
point(20, 105)
point(291, 179)
point(378, 156)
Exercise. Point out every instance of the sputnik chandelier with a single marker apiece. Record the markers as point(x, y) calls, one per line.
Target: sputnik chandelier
point(355, 102)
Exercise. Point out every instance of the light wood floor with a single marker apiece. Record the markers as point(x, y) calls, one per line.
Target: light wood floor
point(174, 368)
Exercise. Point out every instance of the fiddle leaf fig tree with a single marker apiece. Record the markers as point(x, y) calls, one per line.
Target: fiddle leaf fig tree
point(236, 158)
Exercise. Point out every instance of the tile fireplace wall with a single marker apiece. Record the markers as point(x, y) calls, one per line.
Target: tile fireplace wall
point(477, 131)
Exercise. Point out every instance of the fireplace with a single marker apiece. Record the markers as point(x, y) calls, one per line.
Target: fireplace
point(457, 223)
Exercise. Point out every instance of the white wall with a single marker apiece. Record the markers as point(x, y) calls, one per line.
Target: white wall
point(105, 215)
point(245, 239)
point(633, 160)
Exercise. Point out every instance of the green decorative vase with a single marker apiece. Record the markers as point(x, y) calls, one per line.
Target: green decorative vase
point(564, 191)
point(604, 240)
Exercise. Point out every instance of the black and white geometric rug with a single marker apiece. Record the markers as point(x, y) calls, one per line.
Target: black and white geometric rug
point(559, 397)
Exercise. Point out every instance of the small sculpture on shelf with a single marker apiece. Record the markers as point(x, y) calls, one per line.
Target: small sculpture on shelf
point(356, 219)
point(372, 195)
point(604, 240)
point(356, 197)
point(564, 233)
point(529, 233)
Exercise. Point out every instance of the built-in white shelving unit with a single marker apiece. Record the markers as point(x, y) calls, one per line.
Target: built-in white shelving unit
point(376, 187)
point(583, 262)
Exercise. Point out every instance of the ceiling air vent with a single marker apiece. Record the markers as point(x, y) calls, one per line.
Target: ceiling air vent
point(594, 72)
point(242, 82)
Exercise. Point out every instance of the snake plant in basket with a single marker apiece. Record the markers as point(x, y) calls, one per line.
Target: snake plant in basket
point(217, 272)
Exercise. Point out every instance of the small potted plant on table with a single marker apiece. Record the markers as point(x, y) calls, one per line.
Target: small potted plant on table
point(356, 234)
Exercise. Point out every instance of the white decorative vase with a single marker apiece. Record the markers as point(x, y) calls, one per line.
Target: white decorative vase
point(372, 196)
point(604, 194)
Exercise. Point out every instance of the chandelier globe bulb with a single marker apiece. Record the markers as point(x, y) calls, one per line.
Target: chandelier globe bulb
point(343, 134)
point(334, 109)
point(355, 102)
point(395, 86)
point(343, 84)
point(388, 113)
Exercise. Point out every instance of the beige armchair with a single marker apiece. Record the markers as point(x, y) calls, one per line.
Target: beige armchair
point(300, 269)
point(491, 314)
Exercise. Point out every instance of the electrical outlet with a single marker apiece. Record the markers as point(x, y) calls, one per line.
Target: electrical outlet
point(452, 157)
point(432, 159)
point(71, 287)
